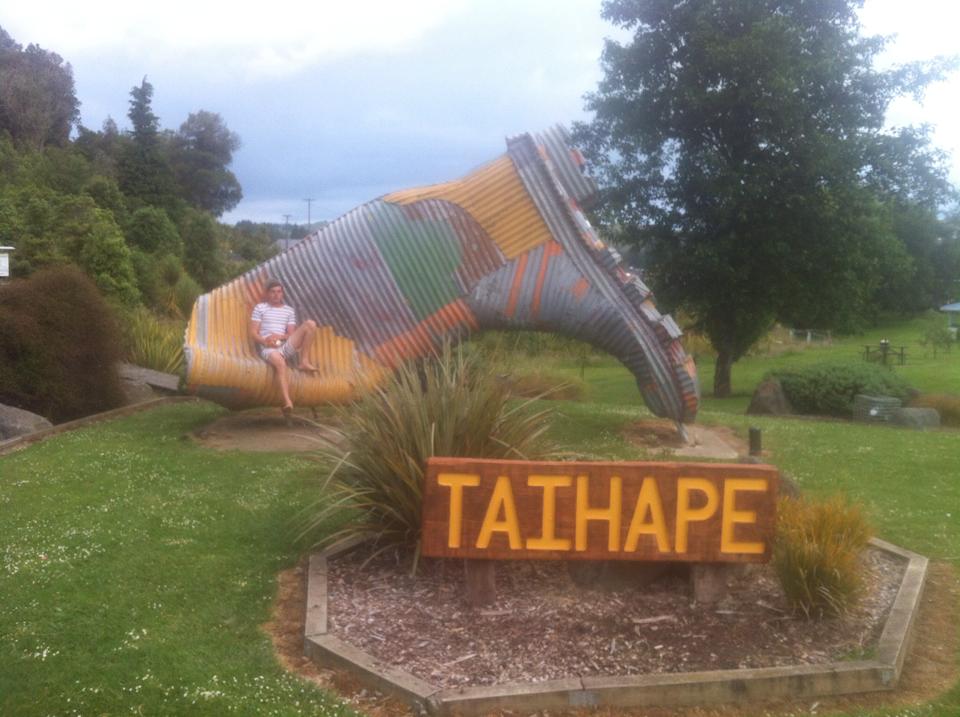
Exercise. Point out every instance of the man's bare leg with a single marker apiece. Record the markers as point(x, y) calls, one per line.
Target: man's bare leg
point(302, 336)
point(279, 363)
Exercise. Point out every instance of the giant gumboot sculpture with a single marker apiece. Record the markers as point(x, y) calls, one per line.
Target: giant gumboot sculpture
point(505, 247)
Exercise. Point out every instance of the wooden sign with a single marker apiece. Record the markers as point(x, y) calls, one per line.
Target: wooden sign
point(700, 512)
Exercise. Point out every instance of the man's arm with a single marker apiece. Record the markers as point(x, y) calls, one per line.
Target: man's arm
point(255, 333)
point(270, 340)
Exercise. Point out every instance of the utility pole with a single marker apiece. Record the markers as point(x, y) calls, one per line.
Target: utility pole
point(308, 200)
point(286, 223)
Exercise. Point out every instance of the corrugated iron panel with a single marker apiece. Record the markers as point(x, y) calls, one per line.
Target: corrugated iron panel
point(568, 164)
point(494, 196)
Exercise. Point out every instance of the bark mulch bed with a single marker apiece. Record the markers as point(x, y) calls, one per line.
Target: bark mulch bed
point(611, 620)
point(930, 669)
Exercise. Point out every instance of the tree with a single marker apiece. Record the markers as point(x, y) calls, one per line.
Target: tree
point(38, 104)
point(739, 143)
point(202, 251)
point(144, 171)
point(151, 230)
point(202, 149)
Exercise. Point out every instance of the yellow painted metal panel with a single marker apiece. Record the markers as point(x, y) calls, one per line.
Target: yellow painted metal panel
point(495, 197)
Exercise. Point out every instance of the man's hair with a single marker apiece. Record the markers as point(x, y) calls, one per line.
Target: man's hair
point(272, 283)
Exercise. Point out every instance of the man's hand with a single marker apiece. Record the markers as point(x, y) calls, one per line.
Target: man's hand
point(274, 340)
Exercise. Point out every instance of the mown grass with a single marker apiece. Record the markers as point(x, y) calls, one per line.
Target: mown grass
point(609, 382)
point(137, 568)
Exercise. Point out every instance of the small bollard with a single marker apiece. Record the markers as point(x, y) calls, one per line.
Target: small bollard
point(756, 441)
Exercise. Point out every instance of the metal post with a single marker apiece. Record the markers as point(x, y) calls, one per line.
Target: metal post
point(756, 441)
point(309, 201)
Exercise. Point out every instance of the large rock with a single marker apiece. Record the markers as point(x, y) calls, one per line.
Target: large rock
point(769, 400)
point(919, 418)
point(17, 422)
point(143, 384)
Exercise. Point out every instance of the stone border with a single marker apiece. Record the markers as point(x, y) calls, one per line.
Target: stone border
point(13, 444)
point(664, 690)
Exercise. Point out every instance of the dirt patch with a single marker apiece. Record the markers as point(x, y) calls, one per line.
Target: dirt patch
point(264, 429)
point(931, 667)
point(658, 435)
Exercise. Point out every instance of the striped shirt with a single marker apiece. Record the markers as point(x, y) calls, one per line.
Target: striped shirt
point(273, 319)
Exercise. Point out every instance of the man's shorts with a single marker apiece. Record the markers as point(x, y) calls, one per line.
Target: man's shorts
point(286, 350)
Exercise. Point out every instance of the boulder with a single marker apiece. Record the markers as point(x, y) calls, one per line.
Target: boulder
point(17, 422)
point(769, 400)
point(143, 384)
point(918, 418)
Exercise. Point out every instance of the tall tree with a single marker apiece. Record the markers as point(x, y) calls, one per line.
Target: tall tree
point(38, 103)
point(144, 170)
point(736, 141)
point(202, 150)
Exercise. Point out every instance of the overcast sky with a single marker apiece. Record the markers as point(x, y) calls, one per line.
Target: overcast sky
point(345, 101)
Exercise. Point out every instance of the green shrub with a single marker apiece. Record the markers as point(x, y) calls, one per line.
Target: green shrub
point(829, 388)
point(58, 346)
point(153, 342)
point(816, 554)
point(448, 406)
point(151, 230)
point(947, 405)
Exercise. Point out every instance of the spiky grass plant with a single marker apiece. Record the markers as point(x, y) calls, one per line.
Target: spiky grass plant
point(817, 554)
point(452, 405)
point(153, 342)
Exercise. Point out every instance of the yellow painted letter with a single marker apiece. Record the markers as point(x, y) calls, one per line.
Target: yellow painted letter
point(548, 539)
point(611, 514)
point(731, 515)
point(649, 499)
point(502, 497)
point(456, 482)
point(687, 515)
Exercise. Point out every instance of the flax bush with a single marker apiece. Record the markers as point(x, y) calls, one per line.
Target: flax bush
point(817, 554)
point(452, 405)
point(153, 342)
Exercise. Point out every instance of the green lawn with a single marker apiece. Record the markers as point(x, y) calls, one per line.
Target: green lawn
point(138, 567)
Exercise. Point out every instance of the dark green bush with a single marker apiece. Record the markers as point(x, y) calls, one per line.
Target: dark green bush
point(829, 388)
point(58, 346)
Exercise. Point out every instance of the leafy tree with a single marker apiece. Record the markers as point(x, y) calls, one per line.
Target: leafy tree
point(105, 192)
point(38, 104)
point(741, 143)
point(103, 149)
point(94, 242)
point(251, 243)
point(203, 254)
point(202, 149)
point(151, 230)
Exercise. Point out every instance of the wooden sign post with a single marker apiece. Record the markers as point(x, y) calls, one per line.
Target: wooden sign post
point(522, 510)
